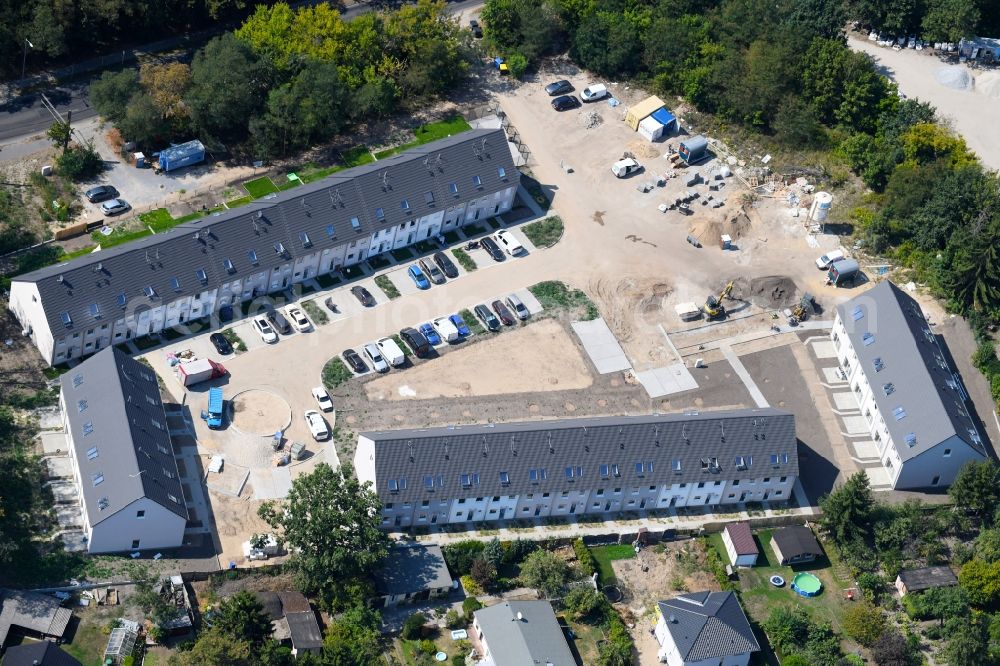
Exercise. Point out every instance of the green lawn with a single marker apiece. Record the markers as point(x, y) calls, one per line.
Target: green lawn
point(335, 373)
point(427, 133)
point(315, 312)
point(241, 201)
point(118, 236)
point(260, 187)
point(158, 219)
point(554, 294)
point(89, 643)
point(604, 555)
point(544, 232)
point(588, 635)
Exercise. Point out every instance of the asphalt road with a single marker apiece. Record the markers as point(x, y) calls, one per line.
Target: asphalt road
point(26, 116)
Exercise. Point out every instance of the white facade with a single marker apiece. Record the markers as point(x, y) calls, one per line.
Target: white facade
point(581, 500)
point(145, 316)
point(938, 465)
point(669, 654)
point(143, 524)
point(745, 560)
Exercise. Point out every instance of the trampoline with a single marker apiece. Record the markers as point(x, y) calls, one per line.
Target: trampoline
point(807, 584)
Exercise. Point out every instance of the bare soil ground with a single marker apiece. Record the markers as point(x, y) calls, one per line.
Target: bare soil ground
point(20, 364)
point(539, 357)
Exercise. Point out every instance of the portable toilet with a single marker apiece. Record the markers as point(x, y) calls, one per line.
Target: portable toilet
point(185, 154)
point(693, 150)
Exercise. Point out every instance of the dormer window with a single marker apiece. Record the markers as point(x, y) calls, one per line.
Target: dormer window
point(356, 223)
point(477, 181)
point(122, 299)
point(304, 237)
point(202, 276)
point(95, 310)
point(175, 284)
point(252, 256)
point(66, 319)
point(502, 173)
point(330, 230)
point(453, 188)
point(379, 215)
point(228, 263)
point(429, 198)
point(405, 205)
point(279, 248)
point(150, 292)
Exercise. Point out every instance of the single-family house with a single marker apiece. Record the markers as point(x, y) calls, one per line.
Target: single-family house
point(704, 629)
point(39, 653)
point(521, 632)
point(31, 614)
point(740, 544)
point(412, 572)
point(795, 545)
point(915, 580)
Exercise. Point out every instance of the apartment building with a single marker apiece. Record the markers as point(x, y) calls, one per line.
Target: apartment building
point(123, 462)
point(79, 307)
point(914, 402)
point(476, 473)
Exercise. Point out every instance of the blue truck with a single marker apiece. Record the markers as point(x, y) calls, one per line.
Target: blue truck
point(215, 407)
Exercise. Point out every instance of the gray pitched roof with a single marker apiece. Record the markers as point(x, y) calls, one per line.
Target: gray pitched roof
point(318, 210)
point(535, 638)
point(888, 330)
point(35, 612)
point(304, 630)
point(928, 577)
point(412, 568)
point(444, 455)
point(796, 540)
point(113, 404)
point(708, 625)
point(41, 653)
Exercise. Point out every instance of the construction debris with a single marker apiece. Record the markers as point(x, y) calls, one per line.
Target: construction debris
point(591, 119)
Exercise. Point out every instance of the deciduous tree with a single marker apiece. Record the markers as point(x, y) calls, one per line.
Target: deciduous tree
point(110, 94)
point(976, 488)
point(864, 622)
point(545, 571)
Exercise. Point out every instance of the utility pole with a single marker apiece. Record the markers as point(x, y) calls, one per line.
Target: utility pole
point(24, 57)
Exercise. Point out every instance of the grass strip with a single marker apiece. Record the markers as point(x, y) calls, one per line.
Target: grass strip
point(472, 321)
point(385, 284)
point(554, 295)
point(315, 312)
point(335, 373)
point(235, 340)
point(464, 260)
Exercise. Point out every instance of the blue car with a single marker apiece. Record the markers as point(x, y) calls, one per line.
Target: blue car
point(459, 323)
point(431, 335)
point(418, 277)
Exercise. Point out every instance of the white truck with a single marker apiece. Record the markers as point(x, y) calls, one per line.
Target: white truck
point(445, 329)
point(199, 370)
point(391, 352)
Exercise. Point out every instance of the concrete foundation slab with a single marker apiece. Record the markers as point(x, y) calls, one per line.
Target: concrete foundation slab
point(855, 425)
point(601, 346)
point(665, 381)
point(54, 443)
point(64, 492)
point(824, 349)
point(844, 401)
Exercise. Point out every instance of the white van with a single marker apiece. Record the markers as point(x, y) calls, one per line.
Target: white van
point(594, 92)
point(622, 168)
point(824, 262)
point(445, 329)
point(391, 351)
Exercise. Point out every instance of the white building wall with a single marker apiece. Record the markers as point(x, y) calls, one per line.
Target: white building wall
point(26, 304)
point(669, 654)
point(119, 532)
point(937, 466)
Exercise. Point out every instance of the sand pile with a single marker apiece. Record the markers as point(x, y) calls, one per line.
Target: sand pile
point(710, 231)
point(956, 77)
point(643, 150)
point(989, 84)
point(773, 291)
point(631, 302)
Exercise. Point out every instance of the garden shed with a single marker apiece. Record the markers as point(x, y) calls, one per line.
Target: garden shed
point(185, 154)
point(645, 108)
point(657, 124)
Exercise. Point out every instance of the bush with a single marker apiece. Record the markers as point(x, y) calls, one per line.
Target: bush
point(582, 601)
point(413, 626)
point(517, 65)
point(458, 660)
point(584, 558)
point(470, 605)
point(335, 373)
point(459, 556)
point(518, 549)
point(464, 260)
point(544, 233)
point(484, 573)
point(427, 646)
point(453, 620)
point(80, 163)
point(864, 623)
point(385, 284)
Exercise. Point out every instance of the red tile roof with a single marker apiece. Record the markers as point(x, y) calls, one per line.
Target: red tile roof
point(742, 538)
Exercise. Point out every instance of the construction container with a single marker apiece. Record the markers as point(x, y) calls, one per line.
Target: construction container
point(843, 272)
point(185, 154)
point(693, 150)
point(726, 242)
point(643, 109)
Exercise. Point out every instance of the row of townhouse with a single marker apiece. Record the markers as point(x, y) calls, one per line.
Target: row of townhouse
point(914, 403)
point(79, 307)
point(492, 472)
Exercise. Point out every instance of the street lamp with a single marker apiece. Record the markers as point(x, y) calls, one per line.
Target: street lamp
point(24, 57)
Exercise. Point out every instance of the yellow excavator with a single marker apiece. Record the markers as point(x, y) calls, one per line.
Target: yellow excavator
point(713, 307)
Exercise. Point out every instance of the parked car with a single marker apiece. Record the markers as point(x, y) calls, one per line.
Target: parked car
point(391, 352)
point(558, 88)
point(220, 343)
point(624, 167)
point(100, 193)
point(432, 271)
point(508, 242)
point(517, 307)
point(565, 102)
point(823, 263)
point(115, 207)
point(506, 318)
point(417, 342)
point(375, 356)
point(317, 425)
point(460, 325)
point(363, 295)
point(299, 320)
point(446, 265)
point(489, 319)
point(477, 30)
point(279, 322)
point(594, 92)
point(432, 336)
point(491, 246)
point(323, 399)
point(418, 277)
point(446, 329)
point(265, 331)
point(357, 363)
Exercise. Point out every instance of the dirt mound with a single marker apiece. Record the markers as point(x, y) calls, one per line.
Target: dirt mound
point(630, 302)
point(643, 150)
point(709, 231)
point(773, 291)
point(591, 119)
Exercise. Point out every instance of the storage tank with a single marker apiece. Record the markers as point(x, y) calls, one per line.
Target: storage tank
point(821, 206)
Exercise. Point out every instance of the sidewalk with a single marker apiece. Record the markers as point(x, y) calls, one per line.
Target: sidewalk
point(595, 527)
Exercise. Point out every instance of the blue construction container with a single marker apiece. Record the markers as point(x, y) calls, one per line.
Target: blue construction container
point(185, 154)
point(693, 150)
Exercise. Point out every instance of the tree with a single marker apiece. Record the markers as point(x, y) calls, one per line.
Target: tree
point(484, 573)
point(228, 87)
point(242, 617)
point(582, 601)
point(517, 64)
point(215, 648)
point(967, 645)
point(332, 523)
point(354, 637)
point(607, 45)
point(59, 134)
point(460, 555)
point(413, 626)
point(864, 622)
point(79, 163)
point(167, 84)
point(110, 94)
point(981, 581)
point(892, 649)
point(795, 660)
point(988, 544)
point(950, 20)
point(976, 489)
point(787, 627)
point(376, 99)
point(847, 510)
point(493, 552)
point(617, 650)
point(143, 122)
point(545, 571)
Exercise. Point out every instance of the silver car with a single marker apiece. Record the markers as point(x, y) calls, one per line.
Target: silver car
point(115, 207)
point(375, 356)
